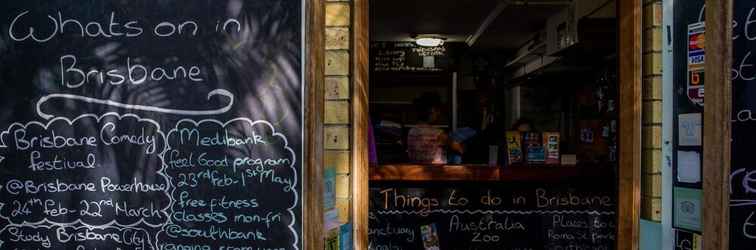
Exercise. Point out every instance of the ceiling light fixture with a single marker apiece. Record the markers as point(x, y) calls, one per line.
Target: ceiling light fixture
point(429, 41)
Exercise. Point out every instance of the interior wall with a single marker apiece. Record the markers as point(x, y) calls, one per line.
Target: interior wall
point(667, 234)
point(597, 8)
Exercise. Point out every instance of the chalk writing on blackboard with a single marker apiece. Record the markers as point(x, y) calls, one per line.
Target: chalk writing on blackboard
point(134, 72)
point(100, 153)
point(505, 217)
point(742, 178)
point(402, 56)
point(211, 94)
point(259, 159)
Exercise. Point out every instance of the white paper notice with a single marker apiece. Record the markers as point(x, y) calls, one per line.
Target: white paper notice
point(689, 129)
point(688, 167)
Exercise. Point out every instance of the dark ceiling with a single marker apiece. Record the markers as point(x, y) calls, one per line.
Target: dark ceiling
point(457, 20)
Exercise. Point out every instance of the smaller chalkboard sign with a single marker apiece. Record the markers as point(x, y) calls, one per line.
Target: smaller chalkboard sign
point(408, 57)
point(466, 215)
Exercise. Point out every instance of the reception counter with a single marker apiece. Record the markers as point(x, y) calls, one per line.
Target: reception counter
point(472, 172)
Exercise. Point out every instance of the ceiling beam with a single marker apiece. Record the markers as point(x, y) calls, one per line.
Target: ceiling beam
point(539, 3)
point(496, 12)
point(472, 39)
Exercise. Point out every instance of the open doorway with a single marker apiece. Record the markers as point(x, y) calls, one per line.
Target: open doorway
point(504, 134)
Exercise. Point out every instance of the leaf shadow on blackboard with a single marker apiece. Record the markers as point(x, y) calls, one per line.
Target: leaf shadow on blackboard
point(260, 63)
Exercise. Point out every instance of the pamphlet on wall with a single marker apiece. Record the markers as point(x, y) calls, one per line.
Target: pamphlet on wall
point(329, 194)
point(534, 148)
point(430, 237)
point(551, 147)
point(346, 236)
point(514, 147)
point(332, 239)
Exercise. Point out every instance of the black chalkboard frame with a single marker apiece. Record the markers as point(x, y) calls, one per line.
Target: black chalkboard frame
point(312, 29)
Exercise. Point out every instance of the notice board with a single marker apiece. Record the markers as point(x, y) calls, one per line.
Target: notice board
point(151, 124)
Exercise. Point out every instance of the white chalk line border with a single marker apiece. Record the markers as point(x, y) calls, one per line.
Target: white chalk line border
point(78, 227)
point(742, 203)
point(252, 124)
point(221, 92)
point(113, 223)
point(474, 212)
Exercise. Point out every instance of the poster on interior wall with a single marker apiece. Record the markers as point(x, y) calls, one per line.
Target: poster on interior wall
point(743, 164)
point(688, 167)
point(688, 208)
point(690, 128)
point(172, 124)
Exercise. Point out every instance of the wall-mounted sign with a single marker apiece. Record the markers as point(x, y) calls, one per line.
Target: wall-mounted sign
point(688, 208)
point(689, 127)
point(151, 124)
point(696, 59)
point(409, 57)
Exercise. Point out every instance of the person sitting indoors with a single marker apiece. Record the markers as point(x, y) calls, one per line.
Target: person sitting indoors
point(427, 144)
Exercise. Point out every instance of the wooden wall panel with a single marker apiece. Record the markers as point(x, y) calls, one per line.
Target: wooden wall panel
point(716, 120)
point(628, 217)
point(360, 161)
point(313, 165)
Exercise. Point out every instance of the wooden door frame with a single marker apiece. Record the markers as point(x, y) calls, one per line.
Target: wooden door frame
point(312, 171)
point(629, 15)
point(361, 121)
point(717, 125)
point(630, 30)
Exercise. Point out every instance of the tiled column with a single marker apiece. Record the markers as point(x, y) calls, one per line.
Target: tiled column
point(337, 103)
point(652, 111)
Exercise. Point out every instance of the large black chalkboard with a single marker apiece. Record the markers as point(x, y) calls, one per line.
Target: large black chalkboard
point(743, 178)
point(742, 188)
point(481, 215)
point(151, 124)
